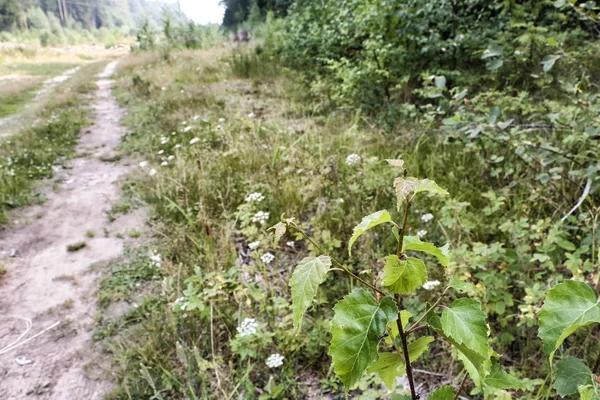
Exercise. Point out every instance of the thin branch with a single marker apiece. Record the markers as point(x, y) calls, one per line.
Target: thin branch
point(460, 388)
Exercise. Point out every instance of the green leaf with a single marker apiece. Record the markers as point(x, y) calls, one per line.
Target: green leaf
point(418, 347)
point(478, 366)
point(414, 243)
point(462, 286)
point(391, 365)
point(404, 317)
point(403, 276)
point(566, 245)
point(405, 186)
point(494, 64)
point(568, 306)
point(359, 322)
point(493, 50)
point(499, 379)
point(588, 392)
point(367, 223)
point(388, 367)
point(464, 321)
point(306, 278)
point(571, 373)
point(442, 393)
point(548, 62)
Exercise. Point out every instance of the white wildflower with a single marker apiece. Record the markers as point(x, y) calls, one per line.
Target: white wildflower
point(248, 327)
point(275, 360)
point(161, 152)
point(196, 118)
point(339, 201)
point(426, 217)
point(267, 258)
point(177, 146)
point(194, 140)
point(221, 120)
point(256, 196)
point(421, 233)
point(152, 172)
point(144, 164)
point(164, 140)
point(171, 158)
point(291, 244)
point(430, 285)
point(164, 163)
point(253, 245)
point(188, 128)
point(261, 217)
point(251, 115)
point(353, 159)
point(155, 258)
point(164, 88)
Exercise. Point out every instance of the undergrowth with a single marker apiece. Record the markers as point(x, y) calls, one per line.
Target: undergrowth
point(224, 150)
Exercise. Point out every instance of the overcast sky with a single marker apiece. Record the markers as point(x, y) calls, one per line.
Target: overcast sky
point(203, 11)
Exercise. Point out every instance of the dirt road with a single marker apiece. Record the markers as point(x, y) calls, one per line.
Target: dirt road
point(49, 291)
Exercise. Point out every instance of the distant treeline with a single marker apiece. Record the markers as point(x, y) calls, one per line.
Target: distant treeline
point(239, 11)
point(82, 14)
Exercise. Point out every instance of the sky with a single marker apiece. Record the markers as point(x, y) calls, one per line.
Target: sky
point(203, 11)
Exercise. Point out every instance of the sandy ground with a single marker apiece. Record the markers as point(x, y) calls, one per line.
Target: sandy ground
point(53, 288)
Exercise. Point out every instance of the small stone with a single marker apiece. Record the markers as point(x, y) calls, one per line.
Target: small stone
point(13, 253)
point(23, 360)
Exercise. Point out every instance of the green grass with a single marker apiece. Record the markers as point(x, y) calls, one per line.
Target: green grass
point(76, 246)
point(11, 103)
point(35, 69)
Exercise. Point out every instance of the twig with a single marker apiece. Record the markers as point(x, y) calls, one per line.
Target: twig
point(585, 193)
point(336, 262)
point(7, 349)
point(460, 388)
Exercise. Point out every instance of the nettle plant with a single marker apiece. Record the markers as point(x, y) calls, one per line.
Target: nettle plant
point(372, 332)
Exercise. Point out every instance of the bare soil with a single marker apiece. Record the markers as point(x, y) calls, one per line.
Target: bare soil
point(54, 288)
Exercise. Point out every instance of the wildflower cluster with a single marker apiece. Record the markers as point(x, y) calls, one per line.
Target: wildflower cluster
point(248, 327)
point(261, 217)
point(353, 159)
point(256, 196)
point(267, 258)
point(275, 360)
point(429, 285)
point(155, 259)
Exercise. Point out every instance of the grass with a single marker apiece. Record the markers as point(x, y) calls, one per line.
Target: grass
point(13, 94)
point(76, 246)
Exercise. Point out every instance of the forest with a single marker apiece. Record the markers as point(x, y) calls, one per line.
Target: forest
point(84, 14)
point(367, 199)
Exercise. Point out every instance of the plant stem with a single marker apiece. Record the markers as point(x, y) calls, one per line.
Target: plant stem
point(402, 232)
point(596, 364)
point(400, 254)
point(428, 310)
point(460, 388)
point(336, 262)
point(409, 372)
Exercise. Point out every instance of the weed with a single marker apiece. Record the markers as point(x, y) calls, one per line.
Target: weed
point(76, 246)
point(90, 234)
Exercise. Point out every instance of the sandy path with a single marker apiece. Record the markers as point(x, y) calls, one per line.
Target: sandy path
point(47, 284)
